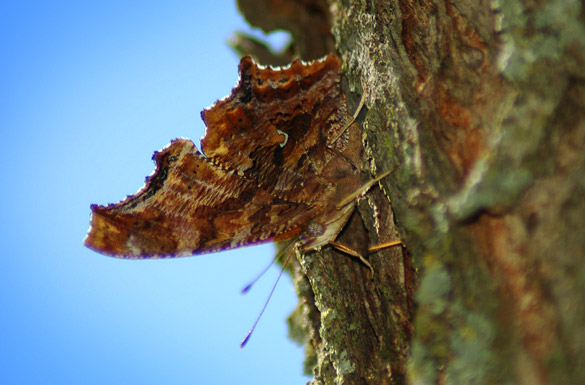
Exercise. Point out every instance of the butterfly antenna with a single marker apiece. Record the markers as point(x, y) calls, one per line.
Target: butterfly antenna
point(247, 338)
point(249, 286)
point(253, 282)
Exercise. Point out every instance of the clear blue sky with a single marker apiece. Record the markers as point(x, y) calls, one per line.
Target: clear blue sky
point(88, 90)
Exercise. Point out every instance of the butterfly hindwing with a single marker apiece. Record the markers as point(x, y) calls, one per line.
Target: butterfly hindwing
point(191, 206)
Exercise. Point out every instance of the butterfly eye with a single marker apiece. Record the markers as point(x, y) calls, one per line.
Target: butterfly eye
point(315, 229)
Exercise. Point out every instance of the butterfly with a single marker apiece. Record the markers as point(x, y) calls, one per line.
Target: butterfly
point(278, 161)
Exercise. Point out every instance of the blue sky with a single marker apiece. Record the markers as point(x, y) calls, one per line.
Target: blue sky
point(87, 93)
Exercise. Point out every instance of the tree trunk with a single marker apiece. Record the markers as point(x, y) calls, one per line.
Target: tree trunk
point(480, 109)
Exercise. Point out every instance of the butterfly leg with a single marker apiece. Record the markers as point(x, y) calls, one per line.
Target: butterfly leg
point(384, 245)
point(349, 199)
point(352, 119)
point(348, 250)
point(362, 190)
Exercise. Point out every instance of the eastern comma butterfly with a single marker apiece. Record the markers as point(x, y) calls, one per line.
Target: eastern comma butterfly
point(278, 161)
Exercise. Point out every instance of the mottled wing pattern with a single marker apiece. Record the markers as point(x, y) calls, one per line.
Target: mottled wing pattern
point(269, 171)
point(191, 206)
point(288, 115)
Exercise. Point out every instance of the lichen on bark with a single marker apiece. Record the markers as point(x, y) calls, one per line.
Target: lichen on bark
point(473, 102)
point(479, 107)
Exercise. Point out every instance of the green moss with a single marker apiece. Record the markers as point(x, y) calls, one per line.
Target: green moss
point(344, 366)
point(471, 346)
point(492, 187)
point(522, 49)
point(435, 286)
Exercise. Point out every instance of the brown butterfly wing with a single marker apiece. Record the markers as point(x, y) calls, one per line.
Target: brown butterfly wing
point(191, 206)
point(270, 170)
point(275, 126)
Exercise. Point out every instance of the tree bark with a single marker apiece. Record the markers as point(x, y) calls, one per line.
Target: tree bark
point(480, 109)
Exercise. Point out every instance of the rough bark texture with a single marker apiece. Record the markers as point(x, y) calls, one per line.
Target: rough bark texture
point(480, 106)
